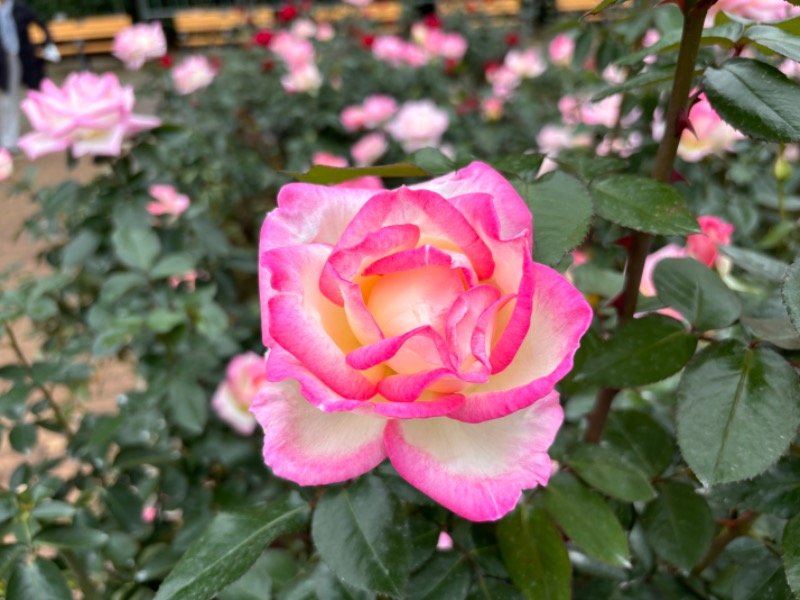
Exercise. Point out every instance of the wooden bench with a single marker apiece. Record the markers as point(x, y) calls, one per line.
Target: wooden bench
point(384, 14)
point(210, 27)
point(576, 5)
point(498, 11)
point(81, 37)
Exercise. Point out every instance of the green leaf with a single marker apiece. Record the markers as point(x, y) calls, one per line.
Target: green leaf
point(761, 580)
point(188, 405)
point(756, 98)
point(697, 292)
point(738, 411)
point(638, 438)
point(362, 535)
point(23, 437)
point(783, 42)
point(119, 284)
point(79, 249)
point(9, 553)
point(726, 35)
point(164, 320)
point(53, 510)
point(255, 584)
point(588, 166)
point(562, 213)
point(652, 76)
point(229, 546)
point(678, 525)
point(328, 587)
point(607, 471)
point(72, 536)
point(521, 165)
point(643, 204)
point(776, 491)
point(432, 161)
point(756, 263)
point(605, 4)
point(587, 519)
point(790, 292)
point(37, 579)
point(446, 575)
point(535, 555)
point(135, 247)
point(791, 553)
point(328, 175)
point(172, 264)
point(641, 351)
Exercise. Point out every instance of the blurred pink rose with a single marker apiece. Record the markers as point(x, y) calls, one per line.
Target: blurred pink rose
point(192, 74)
point(700, 246)
point(369, 149)
point(413, 324)
point(352, 117)
point(293, 51)
point(304, 78)
point(756, 10)
point(418, 124)
point(325, 32)
point(652, 36)
point(625, 145)
point(168, 201)
point(492, 108)
point(149, 514)
point(189, 278)
point(445, 542)
point(525, 64)
point(6, 164)
point(359, 3)
point(606, 112)
point(303, 28)
point(561, 50)
point(244, 377)
point(139, 43)
point(90, 113)
point(503, 81)
point(377, 109)
point(398, 52)
point(436, 42)
point(790, 68)
point(552, 139)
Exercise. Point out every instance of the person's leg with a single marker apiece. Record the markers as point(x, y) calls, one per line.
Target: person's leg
point(9, 135)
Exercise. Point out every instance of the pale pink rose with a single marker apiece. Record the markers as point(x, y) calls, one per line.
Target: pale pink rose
point(561, 50)
point(168, 201)
point(418, 124)
point(328, 160)
point(6, 164)
point(624, 145)
point(606, 112)
point(651, 37)
point(352, 118)
point(89, 113)
point(139, 43)
point(613, 75)
point(192, 74)
point(377, 109)
point(389, 48)
point(359, 3)
point(525, 64)
point(325, 32)
point(303, 29)
point(413, 324)
point(552, 139)
point(451, 46)
point(414, 56)
point(293, 51)
point(492, 108)
point(419, 33)
point(756, 10)
point(711, 134)
point(503, 81)
point(244, 377)
point(304, 78)
point(369, 149)
point(790, 68)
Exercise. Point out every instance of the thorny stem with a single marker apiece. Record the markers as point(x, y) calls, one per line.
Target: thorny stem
point(738, 529)
point(51, 401)
point(695, 16)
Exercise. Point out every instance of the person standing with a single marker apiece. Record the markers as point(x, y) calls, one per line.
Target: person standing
point(18, 65)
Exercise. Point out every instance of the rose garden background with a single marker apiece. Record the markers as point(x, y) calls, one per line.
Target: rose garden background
point(573, 330)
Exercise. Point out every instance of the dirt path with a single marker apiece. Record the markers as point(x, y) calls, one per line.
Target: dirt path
point(17, 248)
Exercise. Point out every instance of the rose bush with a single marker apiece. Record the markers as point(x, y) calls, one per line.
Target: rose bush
point(413, 324)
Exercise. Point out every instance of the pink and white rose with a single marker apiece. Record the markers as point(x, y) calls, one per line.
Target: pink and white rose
point(756, 10)
point(167, 201)
point(413, 324)
point(711, 134)
point(139, 43)
point(418, 124)
point(91, 114)
point(192, 74)
point(244, 377)
point(525, 64)
point(305, 78)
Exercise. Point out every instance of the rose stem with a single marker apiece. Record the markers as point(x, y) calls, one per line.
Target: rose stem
point(695, 15)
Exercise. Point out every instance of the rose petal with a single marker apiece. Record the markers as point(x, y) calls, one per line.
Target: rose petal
point(311, 447)
point(476, 470)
